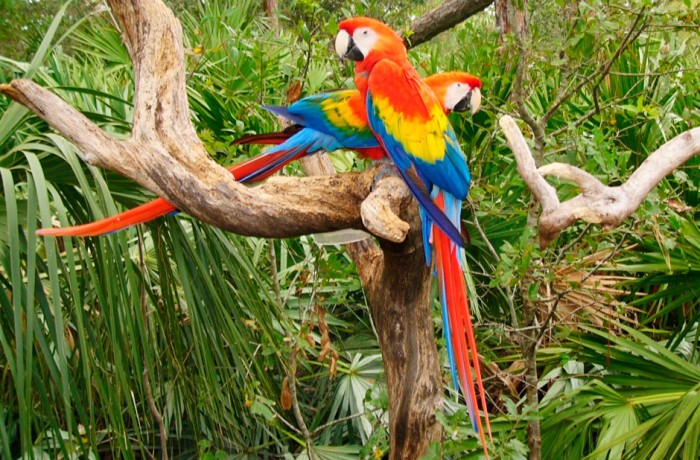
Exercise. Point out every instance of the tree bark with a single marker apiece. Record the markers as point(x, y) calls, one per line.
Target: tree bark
point(399, 296)
point(165, 156)
point(442, 18)
point(511, 18)
point(271, 7)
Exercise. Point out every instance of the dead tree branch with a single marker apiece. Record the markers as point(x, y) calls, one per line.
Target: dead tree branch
point(165, 156)
point(443, 18)
point(597, 203)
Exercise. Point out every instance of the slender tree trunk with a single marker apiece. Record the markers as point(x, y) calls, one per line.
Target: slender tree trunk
point(511, 17)
point(528, 347)
point(270, 7)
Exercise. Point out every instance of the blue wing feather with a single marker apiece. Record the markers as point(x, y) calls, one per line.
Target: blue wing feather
point(450, 174)
point(332, 113)
point(318, 113)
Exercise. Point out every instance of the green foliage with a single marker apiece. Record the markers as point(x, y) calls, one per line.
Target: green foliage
point(195, 307)
point(649, 96)
point(23, 23)
point(641, 401)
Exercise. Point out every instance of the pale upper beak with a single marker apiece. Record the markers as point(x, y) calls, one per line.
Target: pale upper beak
point(346, 48)
point(475, 100)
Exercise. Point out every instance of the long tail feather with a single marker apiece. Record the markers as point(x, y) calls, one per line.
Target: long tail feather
point(252, 170)
point(275, 138)
point(266, 164)
point(458, 328)
point(138, 215)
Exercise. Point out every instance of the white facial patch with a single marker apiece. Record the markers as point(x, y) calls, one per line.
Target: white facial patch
point(342, 40)
point(364, 39)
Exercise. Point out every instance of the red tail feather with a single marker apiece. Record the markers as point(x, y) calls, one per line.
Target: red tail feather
point(268, 138)
point(462, 333)
point(261, 163)
point(138, 215)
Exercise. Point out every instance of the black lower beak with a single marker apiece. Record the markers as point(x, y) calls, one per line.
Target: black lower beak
point(464, 104)
point(353, 53)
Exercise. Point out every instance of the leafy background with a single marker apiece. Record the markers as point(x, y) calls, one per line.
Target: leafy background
point(205, 321)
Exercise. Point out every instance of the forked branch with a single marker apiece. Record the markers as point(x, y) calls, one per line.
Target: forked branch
point(165, 155)
point(597, 203)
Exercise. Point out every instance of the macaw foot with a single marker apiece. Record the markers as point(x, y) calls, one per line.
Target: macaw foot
point(386, 169)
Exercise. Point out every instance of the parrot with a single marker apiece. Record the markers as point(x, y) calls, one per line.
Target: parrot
point(408, 121)
point(327, 121)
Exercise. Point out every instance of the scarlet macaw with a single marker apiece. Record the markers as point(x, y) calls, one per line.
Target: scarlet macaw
point(327, 121)
point(412, 129)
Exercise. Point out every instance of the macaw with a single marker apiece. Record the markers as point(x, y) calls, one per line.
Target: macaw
point(412, 129)
point(327, 121)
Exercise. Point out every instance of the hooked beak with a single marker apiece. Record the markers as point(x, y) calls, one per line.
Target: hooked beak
point(475, 101)
point(346, 48)
point(471, 102)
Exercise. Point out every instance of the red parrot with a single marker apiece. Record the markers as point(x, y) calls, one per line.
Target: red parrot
point(327, 121)
point(412, 129)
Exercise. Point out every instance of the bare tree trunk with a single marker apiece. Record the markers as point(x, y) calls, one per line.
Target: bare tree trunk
point(528, 347)
point(511, 18)
point(400, 302)
point(398, 286)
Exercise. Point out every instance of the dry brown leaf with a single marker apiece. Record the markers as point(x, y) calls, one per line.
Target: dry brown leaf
point(325, 335)
point(293, 92)
point(678, 206)
point(286, 395)
point(334, 364)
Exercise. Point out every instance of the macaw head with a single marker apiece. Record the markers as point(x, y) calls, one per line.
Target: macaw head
point(366, 40)
point(456, 91)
